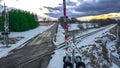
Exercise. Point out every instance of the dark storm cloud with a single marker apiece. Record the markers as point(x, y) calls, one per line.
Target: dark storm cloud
point(54, 15)
point(70, 3)
point(88, 8)
point(100, 7)
point(60, 9)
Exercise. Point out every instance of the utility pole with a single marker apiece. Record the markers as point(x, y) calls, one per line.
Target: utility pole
point(118, 38)
point(73, 52)
point(117, 33)
point(66, 36)
point(6, 26)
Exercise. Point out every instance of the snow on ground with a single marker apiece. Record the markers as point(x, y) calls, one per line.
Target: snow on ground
point(88, 25)
point(60, 35)
point(73, 27)
point(88, 31)
point(91, 38)
point(27, 35)
point(57, 58)
point(111, 47)
point(114, 66)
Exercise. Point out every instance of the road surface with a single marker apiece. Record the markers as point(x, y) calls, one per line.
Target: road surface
point(35, 54)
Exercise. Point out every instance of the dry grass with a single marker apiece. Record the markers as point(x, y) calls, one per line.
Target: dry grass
point(93, 48)
point(85, 53)
point(1, 38)
point(105, 52)
point(105, 66)
point(113, 31)
point(94, 62)
point(98, 41)
point(12, 40)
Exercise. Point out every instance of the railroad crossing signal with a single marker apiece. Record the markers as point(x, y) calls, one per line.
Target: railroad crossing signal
point(5, 33)
point(72, 48)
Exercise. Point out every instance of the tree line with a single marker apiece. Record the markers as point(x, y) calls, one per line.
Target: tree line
point(99, 22)
point(104, 22)
point(19, 20)
point(1, 23)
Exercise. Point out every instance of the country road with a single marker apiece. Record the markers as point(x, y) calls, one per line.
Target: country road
point(35, 54)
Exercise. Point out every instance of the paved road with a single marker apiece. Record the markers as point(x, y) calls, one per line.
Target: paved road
point(35, 54)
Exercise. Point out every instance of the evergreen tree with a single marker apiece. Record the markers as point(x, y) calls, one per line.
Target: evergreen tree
point(21, 20)
point(1, 23)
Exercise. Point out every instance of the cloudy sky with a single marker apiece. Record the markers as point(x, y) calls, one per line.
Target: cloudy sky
point(87, 7)
point(75, 8)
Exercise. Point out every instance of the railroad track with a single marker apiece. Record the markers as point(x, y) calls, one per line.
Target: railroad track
point(33, 59)
point(25, 62)
point(78, 39)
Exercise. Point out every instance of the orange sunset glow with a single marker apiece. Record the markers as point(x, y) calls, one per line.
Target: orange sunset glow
point(103, 16)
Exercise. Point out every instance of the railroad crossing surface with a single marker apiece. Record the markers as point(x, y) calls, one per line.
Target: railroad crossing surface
point(35, 54)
